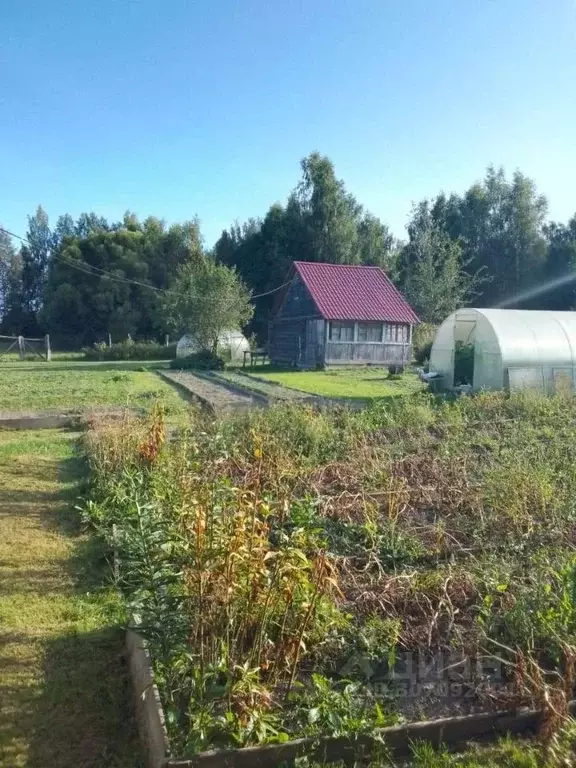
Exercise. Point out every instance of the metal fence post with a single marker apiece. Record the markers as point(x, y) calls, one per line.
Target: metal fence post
point(48, 349)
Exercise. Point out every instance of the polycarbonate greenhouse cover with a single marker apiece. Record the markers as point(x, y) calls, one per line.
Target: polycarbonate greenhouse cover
point(506, 339)
point(233, 341)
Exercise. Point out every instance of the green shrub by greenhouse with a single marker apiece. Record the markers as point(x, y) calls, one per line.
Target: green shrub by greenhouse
point(130, 350)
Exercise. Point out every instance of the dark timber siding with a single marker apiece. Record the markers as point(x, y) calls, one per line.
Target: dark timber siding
point(290, 342)
point(297, 302)
point(286, 342)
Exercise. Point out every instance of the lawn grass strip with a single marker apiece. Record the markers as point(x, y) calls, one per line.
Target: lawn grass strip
point(63, 682)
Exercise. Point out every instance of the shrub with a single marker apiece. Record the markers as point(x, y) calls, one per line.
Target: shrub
point(199, 361)
point(129, 350)
point(422, 353)
point(422, 339)
point(299, 432)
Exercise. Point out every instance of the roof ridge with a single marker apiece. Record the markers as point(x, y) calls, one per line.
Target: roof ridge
point(332, 264)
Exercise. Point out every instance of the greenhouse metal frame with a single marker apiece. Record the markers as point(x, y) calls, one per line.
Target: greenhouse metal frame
point(512, 349)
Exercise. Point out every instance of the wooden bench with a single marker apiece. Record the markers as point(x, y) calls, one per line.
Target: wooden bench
point(255, 355)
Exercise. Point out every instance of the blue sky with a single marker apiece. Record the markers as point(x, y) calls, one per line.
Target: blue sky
point(182, 108)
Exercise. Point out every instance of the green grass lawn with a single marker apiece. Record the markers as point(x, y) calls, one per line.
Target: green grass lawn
point(64, 690)
point(29, 387)
point(352, 383)
point(73, 360)
point(31, 357)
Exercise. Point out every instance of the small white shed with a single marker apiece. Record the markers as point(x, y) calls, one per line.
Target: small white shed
point(511, 348)
point(232, 343)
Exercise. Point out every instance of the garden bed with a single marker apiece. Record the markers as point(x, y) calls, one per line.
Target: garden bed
point(51, 418)
point(318, 575)
point(398, 741)
point(216, 396)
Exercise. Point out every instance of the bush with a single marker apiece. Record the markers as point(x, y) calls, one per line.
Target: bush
point(422, 353)
point(422, 339)
point(199, 361)
point(129, 350)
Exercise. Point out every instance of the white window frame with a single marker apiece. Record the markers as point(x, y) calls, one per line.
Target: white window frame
point(393, 330)
point(368, 326)
point(386, 327)
point(341, 323)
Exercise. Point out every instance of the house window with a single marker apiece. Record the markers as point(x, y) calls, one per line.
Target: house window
point(397, 332)
point(369, 331)
point(341, 331)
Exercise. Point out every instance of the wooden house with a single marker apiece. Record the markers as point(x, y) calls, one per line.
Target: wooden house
point(338, 314)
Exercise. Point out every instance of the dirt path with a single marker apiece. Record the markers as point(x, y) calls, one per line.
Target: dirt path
point(64, 697)
point(217, 396)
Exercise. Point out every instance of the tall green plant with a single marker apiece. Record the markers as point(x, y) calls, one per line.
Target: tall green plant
point(206, 299)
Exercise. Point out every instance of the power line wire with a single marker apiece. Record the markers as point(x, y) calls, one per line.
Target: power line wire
point(55, 253)
point(85, 268)
point(274, 290)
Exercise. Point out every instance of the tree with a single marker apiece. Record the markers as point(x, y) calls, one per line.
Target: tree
point(7, 254)
point(15, 317)
point(261, 253)
point(65, 227)
point(165, 248)
point(91, 222)
point(560, 269)
point(35, 259)
point(107, 281)
point(376, 243)
point(499, 225)
point(321, 221)
point(329, 213)
point(433, 274)
point(84, 304)
point(206, 299)
point(515, 246)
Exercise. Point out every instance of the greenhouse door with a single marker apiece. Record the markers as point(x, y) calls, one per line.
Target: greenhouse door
point(464, 351)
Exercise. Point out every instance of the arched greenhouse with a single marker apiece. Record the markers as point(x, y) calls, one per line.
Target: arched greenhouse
point(506, 349)
point(232, 344)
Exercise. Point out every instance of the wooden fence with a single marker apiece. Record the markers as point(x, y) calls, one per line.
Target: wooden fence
point(23, 345)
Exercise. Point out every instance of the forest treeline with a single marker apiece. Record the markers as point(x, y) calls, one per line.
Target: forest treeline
point(491, 245)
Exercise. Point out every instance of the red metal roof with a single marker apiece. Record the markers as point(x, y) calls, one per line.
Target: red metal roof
point(349, 292)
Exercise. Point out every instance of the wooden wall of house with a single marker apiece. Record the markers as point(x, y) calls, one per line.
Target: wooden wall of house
point(286, 342)
point(297, 302)
point(315, 342)
point(290, 338)
point(359, 353)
